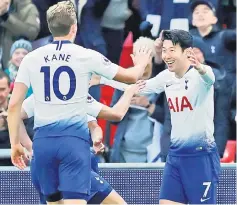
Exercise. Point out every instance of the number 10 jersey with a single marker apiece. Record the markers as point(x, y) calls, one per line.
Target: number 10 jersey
point(59, 74)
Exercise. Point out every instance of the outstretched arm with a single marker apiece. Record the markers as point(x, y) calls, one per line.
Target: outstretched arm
point(102, 66)
point(118, 111)
point(205, 71)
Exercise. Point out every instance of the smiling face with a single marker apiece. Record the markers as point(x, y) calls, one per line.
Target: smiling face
point(203, 16)
point(18, 56)
point(173, 56)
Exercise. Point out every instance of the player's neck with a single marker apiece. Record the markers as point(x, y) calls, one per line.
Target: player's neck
point(63, 38)
point(182, 71)
point(204, 31)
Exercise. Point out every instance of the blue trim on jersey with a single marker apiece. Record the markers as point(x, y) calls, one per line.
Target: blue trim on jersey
point(60, 43)
point(190, 67)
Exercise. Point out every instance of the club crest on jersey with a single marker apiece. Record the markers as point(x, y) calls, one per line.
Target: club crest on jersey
point(179, 104)
point(89, 99)
point(186, 84)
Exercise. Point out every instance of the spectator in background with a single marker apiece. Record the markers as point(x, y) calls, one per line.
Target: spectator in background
point(221, 112)
point(133, 22)
point(221, 44)
point(18, 18)
point(228, 13)
point(4, 100)
point(1, 53)
point(18, 51)
point(135, 132)
point(200, 49)
point(220, 50)
point(113, 24)
point(42, 6)
point(233, 113)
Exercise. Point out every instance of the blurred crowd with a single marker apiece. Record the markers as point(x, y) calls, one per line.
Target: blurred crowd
point(144, 133)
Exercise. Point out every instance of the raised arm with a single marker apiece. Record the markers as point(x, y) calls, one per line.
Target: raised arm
point(103, 67)
point(153, 85)
point(205, 71)
point(117, 112)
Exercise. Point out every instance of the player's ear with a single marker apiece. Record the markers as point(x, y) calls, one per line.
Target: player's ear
point(214, 20)
point(186, 51)
point(74, 28)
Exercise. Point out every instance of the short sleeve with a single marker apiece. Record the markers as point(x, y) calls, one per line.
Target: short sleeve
point(93, 107)
point(100, 65)
point(156, 84)
point(90, 118)
point(23, 73)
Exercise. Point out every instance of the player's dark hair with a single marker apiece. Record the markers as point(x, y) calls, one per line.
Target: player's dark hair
point(4, 75)
point(181, 37)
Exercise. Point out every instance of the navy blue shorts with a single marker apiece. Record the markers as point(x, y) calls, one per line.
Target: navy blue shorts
point(63, 164)
point(100, 188)
point(191, 179)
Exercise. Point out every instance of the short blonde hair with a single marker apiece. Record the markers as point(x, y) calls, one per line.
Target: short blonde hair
point(144, 41)
point(61, 17)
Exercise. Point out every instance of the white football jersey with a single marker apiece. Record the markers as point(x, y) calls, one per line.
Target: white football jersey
point(191, 103)
point(59, 74)
point(93, 107)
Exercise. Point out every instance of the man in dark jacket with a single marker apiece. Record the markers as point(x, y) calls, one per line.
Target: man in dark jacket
point(220, 50)
point(18, 19)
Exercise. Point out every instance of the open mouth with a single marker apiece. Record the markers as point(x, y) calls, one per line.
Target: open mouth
point(170, 63)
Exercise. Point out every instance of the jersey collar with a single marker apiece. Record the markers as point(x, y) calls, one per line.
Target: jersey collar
point(60, 43)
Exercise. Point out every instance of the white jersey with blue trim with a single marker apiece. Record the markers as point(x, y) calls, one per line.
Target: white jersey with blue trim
point(59, 75)
point(93, 107)
point(191, 103)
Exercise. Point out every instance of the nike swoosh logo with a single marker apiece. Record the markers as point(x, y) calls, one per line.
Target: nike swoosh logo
point(168, 85)
point(202, 200)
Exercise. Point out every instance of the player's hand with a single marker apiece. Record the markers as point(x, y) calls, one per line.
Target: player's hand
point(140, 101)
point(195, 62)
point(98, 146)
point(29, 154)
point(142, 56)
point(18, 156)
point(193, 59)
point(136, 88)
point(159, 43)
point(158, 48)
point(95, 80)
